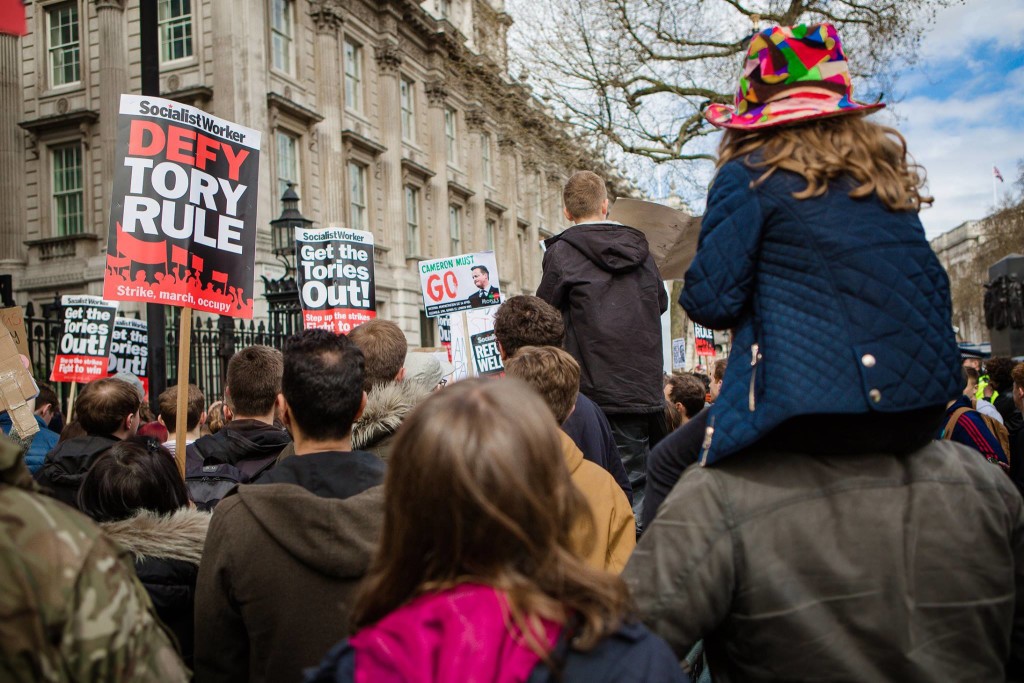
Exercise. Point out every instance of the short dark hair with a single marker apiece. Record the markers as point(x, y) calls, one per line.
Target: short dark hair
point(135, 474)
point(253, 380)
point(999, 373)
point(384, 347)
point(47, 395)
point(687, 389)
point(527, 321)
point(1018, 375)
point(552, 372)
point(481, 268)
point(323, 383)
point(966, 375)
point(583, 194)
point(103, 405)
point(168, 402)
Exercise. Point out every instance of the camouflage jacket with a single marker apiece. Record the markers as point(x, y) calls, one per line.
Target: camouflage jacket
point(71, 608)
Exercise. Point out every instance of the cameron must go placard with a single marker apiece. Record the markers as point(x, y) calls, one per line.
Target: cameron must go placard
point(183, 209)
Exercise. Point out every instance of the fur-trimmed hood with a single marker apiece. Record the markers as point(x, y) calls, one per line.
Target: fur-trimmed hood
point(386, 406)
point(177, 536)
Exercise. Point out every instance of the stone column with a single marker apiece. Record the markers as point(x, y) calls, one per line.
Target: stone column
point(510, 179)
point(437, 97)
point(475, 122)
point(12, 152)
point(389, 60)
point(113, 82)
point(328, 21)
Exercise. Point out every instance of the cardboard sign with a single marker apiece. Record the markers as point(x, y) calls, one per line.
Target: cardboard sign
point(84, 351)
point(129, 351)
point(671, 234)
point(335, 278)
point(13, 319)
point(459, 283)
point(472, 334)
point(703, 340)
point(17, 387)
point(183, 209)
point(678, 354)
point(486, 357)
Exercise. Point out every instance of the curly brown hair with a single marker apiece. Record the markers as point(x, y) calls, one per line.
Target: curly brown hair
point(875, 156)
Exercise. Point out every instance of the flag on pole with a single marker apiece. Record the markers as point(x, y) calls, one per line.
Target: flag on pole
point(997, 174)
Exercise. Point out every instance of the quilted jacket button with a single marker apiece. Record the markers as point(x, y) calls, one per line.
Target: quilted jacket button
point(868, 360)
point(875, 395)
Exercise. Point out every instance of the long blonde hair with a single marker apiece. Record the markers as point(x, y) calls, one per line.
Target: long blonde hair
point(875, 156)
point(477, 491)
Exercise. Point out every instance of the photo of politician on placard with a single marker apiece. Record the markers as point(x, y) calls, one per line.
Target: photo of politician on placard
point(486, 294)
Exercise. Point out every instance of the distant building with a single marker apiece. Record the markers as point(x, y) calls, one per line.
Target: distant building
point(387, 115)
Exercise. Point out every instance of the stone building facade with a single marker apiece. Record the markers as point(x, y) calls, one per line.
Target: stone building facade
point(387, 115)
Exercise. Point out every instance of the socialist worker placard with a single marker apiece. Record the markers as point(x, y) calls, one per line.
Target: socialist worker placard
point(183, 209)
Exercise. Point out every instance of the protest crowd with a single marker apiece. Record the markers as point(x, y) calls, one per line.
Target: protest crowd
point(839, 500)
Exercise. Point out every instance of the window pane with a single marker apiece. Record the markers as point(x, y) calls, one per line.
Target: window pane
point(69, 216)
point(353, 76)
point(63, 48)
point(357, 195)
point(281, 34)
point(485, 153)
point(455, 228)
point(287, 163)
point(450, 132)
point(175, 27)
point(412, 221)
point(490, 235)
point(407, 95)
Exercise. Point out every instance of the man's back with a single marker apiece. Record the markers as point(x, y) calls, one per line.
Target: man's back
point(604, 280)
point(237, 442)
point(869, 567)
point(282, 564)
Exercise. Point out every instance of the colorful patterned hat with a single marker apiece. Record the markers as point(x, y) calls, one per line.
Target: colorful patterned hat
point(791, 74)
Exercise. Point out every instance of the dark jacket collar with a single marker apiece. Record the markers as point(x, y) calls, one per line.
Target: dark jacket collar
point(329, 474)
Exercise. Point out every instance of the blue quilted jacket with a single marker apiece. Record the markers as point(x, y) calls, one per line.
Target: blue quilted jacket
point(837, 305)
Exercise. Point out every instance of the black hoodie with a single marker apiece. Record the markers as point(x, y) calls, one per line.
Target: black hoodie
point(603, 279)
point(241, 443)
point(65, 466)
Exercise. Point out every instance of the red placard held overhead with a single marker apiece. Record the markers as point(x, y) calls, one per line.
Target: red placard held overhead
point(184, 184)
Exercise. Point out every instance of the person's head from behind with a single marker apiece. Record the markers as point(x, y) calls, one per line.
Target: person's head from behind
point(253, 383)
point(585, 198)
point(686, 393)
point(717, 375)
point(47, 404)
point(135, 474)
point(1017, 374)
point(972, 362)
point(1000, 373)
point(196, 409)
point(322, 389)
point(108, 407)
point(215, 419)
point(481, 277)
point(527, 321)
point(384, 347)
point(970, 380)
point(477, 489)
point(806, 121)
point(553, 374)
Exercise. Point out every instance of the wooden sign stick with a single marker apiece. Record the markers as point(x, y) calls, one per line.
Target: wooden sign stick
point(71, 403)
point(181, 423)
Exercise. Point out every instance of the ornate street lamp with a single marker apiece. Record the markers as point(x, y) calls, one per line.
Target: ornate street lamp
point(283, 229)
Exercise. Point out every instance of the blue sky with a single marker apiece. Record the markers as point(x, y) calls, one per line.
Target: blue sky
point(961, 108)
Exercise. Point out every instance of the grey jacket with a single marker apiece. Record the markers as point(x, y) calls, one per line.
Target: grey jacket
point(860, 568)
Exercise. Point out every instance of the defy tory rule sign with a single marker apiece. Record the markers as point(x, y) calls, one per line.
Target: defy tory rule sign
point(183, 212)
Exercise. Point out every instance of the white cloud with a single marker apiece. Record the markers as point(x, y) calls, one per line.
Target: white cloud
point(962, 27)
point(962, 112)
